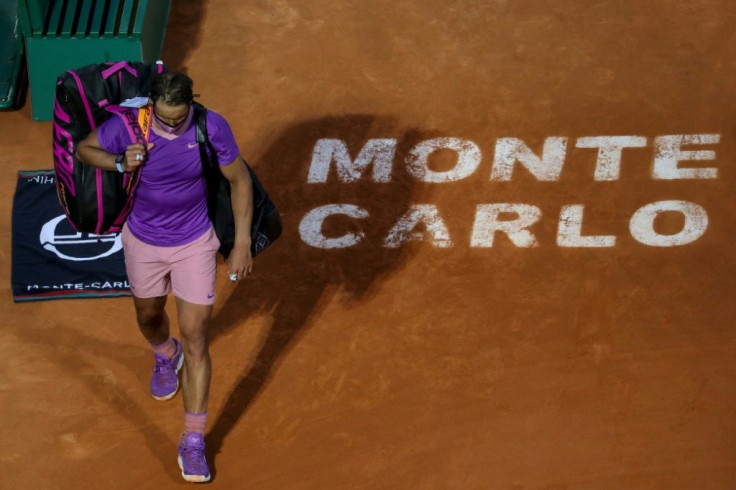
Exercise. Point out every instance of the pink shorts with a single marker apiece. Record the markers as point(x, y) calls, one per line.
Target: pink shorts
point(189, 270)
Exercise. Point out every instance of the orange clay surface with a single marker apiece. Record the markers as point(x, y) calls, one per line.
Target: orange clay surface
point(421, 367)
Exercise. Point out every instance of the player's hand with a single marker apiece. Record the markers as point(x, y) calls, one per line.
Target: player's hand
point(240, 263)
point(135, 155)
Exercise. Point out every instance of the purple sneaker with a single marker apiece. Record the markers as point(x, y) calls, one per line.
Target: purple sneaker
point(165, 379)
point(191, 458)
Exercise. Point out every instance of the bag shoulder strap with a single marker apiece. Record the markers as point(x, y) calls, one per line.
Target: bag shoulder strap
point(144, 120)
point(200, 125)
point(138, 127)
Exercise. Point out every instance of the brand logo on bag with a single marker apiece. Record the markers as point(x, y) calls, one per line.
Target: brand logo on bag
point(260, 243)
point(58, 237)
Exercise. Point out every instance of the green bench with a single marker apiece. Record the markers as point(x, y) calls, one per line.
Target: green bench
point(11, 56)
point(65, 34)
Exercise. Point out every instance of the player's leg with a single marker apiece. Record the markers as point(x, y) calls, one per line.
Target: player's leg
point(193, 274)
point(196, 376)
point(193, 326)
point(148, 274)
point(153, 321)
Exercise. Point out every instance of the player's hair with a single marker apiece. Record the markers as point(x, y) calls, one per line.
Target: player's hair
point(172, 88)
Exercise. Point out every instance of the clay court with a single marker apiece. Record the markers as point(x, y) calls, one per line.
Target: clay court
point(591, 349)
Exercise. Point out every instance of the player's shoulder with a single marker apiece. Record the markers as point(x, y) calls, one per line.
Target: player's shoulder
point(113, 124)
point(215, 119)
point(217, 125)
point(117, 118)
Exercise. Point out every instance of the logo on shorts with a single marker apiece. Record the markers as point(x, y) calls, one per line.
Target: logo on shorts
point(211, 295)
point(59, 237)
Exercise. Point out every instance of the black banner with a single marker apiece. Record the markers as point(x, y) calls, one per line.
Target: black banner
point(51, 260)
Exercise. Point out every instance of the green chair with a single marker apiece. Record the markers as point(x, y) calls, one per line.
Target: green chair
point(11, 56)
point(65, 34)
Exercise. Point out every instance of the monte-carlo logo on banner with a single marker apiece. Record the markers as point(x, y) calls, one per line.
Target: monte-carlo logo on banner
point(58, 237)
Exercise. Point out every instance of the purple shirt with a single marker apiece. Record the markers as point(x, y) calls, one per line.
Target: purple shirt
point(170, 207)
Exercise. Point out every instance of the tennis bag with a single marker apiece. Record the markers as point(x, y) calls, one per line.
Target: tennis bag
point(266, 225)
point(95, 200)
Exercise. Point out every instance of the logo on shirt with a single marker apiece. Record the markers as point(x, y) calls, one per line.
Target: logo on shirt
point(192, 145)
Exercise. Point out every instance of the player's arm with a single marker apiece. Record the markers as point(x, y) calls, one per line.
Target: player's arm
point(240, 261)
point(90, 151)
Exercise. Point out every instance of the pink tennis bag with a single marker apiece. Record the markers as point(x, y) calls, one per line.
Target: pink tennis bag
point(95, 200)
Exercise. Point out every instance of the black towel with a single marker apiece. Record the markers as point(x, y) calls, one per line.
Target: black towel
point(50, 259)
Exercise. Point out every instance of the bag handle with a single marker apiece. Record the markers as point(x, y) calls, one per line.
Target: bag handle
point(116, 67)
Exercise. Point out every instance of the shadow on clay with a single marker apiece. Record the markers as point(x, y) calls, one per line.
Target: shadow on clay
point(183, 32)
point(294, 282)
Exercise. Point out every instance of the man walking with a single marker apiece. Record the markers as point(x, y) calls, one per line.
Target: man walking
point(170, 245)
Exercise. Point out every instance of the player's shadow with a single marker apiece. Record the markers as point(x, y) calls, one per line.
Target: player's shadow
point(295, 281)
point(183, 32)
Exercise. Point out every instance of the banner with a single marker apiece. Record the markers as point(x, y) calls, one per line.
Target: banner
point(50, 259)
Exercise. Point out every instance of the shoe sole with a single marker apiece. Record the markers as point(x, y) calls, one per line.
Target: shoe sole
point(173, 394)
point(192, 478)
